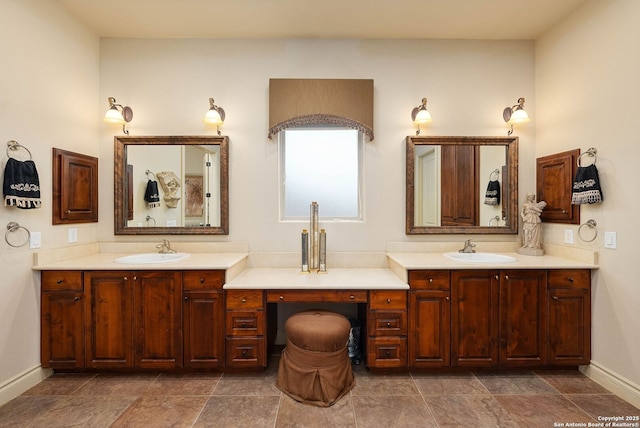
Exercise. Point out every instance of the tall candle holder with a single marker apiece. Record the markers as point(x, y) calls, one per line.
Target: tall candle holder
point(314, 238)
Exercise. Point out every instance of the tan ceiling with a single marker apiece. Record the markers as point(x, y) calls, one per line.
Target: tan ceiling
point(448, 19)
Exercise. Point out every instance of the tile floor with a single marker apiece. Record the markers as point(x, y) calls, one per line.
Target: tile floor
point(416, 399)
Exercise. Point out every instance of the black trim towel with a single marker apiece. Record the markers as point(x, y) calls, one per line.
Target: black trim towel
point(492, 197)
point(151, 194)
point(586, 186)
point(21, 185)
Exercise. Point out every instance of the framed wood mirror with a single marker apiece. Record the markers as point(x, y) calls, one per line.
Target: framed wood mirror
point(447, 180)
point(191, 176)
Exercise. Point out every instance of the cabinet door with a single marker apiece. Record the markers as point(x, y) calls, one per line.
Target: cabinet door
point(108, 309)
point(75, 187)
point(522, 317)
point(459, 208)
point(203, 315)
point(157, 320)
point(569, 308)
point(62, 340)
point(429, 328)
point(554, 184)
point(474, 318)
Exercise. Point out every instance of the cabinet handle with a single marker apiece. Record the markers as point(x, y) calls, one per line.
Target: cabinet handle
point(387, 352)
point(244, 325)
point(76, 298)
point(555, 297)
point(126, 278)
point(497, 277)
point(446, 298)
point(430, 280)
point(244, 300)
point(60, 281)
point(388, 325)
point(388, 300)
point(135, 278)
point(570, 279)
point(281, 297)
point(186, 298)
point(506, 277)
point(244, 353)
point(201, 280)
point(68, 212)
point(352, 297)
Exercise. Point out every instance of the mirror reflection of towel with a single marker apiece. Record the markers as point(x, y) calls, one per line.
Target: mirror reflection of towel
point(492, 197)
point(586, 186)
point(21, 185)
point(151, 195)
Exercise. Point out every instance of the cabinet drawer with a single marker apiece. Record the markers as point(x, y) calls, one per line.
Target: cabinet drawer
point(244, 299)
point(429, 279)
point(387, 323)
point(387, 352)
point(61, 280)
point(386, 300)
point(245, 323)
point(297, 296)
point(245, 352)
point(203, 280)
point(569, 278)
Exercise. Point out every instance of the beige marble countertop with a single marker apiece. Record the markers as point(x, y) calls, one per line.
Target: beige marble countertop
point(334, 279)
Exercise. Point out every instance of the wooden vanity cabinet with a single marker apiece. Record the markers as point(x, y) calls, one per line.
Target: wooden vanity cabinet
point(429, 319)
point(203, 319)
point(245, 326)
point(387, 329)
point(134, 319)
point(62, 323)
point(569, 312)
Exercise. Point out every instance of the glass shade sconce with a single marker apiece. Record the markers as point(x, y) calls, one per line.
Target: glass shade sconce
point(214, 116)
point(514, 115)
point(118, 114)
point(420, 115)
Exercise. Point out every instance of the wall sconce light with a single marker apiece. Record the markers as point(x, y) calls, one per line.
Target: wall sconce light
point(119, 114)
point(420, 115)
point(515, 114)
point(215, 115)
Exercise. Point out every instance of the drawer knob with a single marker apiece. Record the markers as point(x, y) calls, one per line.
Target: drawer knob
point(388, 300)
point(244, 325)
point(201, 280)
point(186, 298)
point(244, 353)
point(506, 277)
point(281, 297)
point(352, 297)
point(555, 297)
point(126, 278)
point(570, 279)
point(496, 277)
point(60, 281)
point(388, 324)
point(244, 300)
point(76, 298)
point(446, 298)
point(430, 280)
point(387, 352)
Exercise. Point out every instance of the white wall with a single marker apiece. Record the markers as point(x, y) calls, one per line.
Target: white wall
point(49, 90)
point(587, 90)
point(168, 83)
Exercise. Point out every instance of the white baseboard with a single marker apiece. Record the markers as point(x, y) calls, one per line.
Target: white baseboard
point(22, 382)
point(612, 381)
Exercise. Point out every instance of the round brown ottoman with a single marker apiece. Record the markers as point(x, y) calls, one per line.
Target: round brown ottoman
point(315, 367)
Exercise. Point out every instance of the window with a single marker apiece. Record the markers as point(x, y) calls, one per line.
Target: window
point(322, 165)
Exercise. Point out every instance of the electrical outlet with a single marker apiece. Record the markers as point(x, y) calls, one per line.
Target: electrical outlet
point(35, 240)
point(568, 236)
point(73, 234)
point(610, 240)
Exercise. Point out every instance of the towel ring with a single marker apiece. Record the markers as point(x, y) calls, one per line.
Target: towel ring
point(12, 226)
point(152, 175)
point(495, 173)
point(14, 145)
point(591, 224)
point(592, 152)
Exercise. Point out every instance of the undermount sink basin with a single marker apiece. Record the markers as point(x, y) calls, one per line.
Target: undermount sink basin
point(480, 257)
point(145, 258)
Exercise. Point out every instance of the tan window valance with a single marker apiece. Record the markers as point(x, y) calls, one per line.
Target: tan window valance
point(300, 102)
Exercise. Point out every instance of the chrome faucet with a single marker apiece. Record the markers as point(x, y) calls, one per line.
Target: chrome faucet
point(468, 247)
point(165, 247)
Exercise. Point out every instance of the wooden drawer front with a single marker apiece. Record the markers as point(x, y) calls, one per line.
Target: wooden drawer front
point(245, 323)
point(203, 280)
point(429, 279)
point(386, 300)
point(61, 280)
point(387, 323)
point(246, 352)
point(387, 352)
point(569, 278)
point(342, 296)
point(244, 299)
